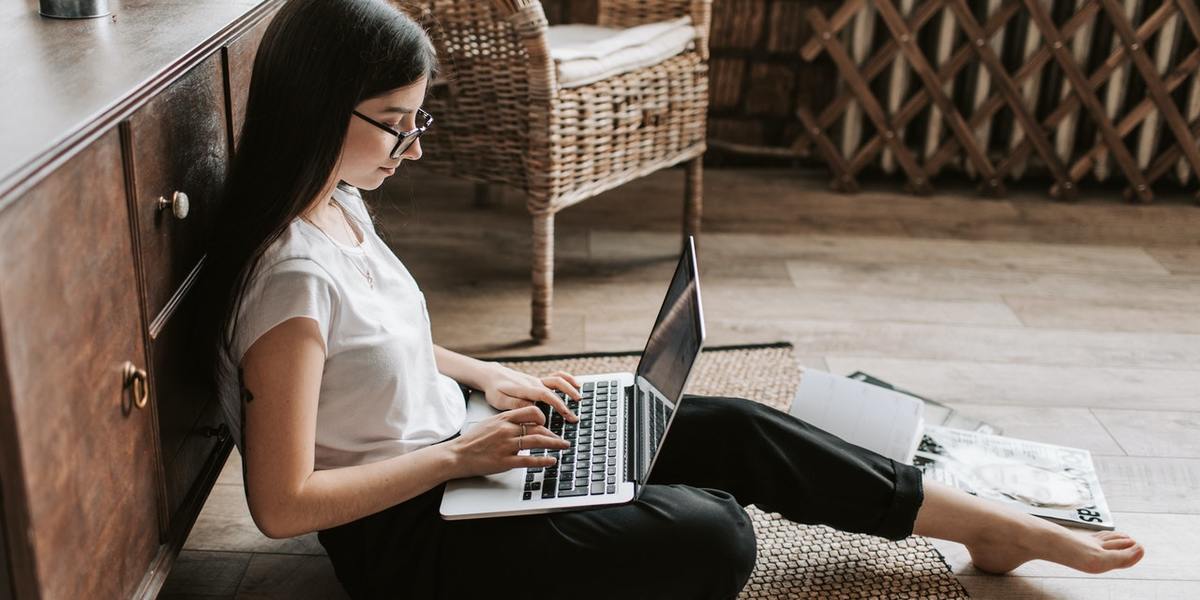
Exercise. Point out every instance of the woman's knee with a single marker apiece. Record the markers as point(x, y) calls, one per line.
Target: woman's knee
point(721, 413)
point(715, 536)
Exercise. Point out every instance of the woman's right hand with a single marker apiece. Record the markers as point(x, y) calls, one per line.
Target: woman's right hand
point(491, 446)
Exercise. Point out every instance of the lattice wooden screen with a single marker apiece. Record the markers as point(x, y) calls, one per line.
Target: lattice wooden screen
point(1085, 86)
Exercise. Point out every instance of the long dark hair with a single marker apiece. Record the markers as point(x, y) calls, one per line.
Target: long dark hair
point(317, 61)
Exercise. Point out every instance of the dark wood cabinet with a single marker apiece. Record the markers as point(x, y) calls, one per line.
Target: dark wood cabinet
point(195, 431)
point(178, 151)
point(78, 408)
point(110, 441)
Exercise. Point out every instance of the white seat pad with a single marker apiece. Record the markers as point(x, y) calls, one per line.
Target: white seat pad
point(587, 53)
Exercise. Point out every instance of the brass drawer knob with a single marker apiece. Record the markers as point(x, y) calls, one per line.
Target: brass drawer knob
point(178, 203)
point(137, 378)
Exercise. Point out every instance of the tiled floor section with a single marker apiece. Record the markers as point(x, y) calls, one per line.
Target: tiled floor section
point(1066, 323)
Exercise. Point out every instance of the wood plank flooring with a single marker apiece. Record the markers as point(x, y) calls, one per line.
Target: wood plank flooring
point(1066, 323)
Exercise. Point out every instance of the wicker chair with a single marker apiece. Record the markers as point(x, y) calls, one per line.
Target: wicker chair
point(505, 119)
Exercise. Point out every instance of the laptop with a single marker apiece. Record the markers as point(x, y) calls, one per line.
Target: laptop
point(623, 420)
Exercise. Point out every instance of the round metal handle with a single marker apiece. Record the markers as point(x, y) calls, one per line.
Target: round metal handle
point(178, 203)
point(137, 378)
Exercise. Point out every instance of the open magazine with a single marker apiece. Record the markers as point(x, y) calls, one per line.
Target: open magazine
point(1054, 482)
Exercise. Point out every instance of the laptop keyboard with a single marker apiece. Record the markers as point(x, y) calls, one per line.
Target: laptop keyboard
point(659, 415)
point(589, 466)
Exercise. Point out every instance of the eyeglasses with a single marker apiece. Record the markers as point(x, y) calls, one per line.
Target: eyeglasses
point(404, 139)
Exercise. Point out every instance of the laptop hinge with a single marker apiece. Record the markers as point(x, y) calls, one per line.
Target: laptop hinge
point(631, 448)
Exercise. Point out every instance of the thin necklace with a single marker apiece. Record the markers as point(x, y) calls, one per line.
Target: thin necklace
point(363, 269)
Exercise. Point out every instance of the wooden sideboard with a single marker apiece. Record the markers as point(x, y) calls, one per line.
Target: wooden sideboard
point(115, 137)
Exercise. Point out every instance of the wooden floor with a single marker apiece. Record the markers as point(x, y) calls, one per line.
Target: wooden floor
point(1074, 324)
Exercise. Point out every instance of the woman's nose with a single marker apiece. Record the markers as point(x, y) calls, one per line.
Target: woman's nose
point(413, 152)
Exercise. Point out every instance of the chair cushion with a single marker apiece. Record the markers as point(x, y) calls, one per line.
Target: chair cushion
point(587, 53)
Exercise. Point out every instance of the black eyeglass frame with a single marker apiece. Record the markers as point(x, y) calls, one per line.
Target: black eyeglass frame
point(402, 136)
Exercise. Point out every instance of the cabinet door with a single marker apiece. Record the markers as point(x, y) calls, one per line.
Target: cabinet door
point(71, 321)
point(179, 379)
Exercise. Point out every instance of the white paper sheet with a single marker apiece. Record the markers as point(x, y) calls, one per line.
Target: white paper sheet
point(887, 422)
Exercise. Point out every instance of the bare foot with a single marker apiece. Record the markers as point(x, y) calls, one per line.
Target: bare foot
point(1088, 552)
point(1001, 538)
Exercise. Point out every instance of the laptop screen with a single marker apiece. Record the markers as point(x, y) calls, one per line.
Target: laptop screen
point(675, 340)
point(674, 344)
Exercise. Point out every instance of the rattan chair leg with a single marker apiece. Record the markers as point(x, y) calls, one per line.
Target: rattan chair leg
point(543, 274)
point(693, 196)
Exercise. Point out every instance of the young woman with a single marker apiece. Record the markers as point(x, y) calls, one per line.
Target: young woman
point(348, 416)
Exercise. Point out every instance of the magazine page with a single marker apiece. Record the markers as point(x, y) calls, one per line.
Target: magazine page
point(875, 418)
point(1053, 482)
point(936, 413)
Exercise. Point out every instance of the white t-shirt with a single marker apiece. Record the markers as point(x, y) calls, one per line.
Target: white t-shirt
point(381, 393)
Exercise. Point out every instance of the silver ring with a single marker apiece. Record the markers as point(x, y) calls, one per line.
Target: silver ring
point(520, 447)
point(523, 425)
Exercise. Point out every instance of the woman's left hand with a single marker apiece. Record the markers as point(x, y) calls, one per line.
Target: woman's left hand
point(506, 389)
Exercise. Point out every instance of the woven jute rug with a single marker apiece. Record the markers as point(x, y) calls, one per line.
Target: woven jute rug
point(794, 561)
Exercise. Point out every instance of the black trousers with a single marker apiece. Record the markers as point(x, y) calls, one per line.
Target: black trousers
point(687, 536)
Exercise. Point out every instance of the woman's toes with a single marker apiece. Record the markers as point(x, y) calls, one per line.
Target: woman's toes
point(1118, 543)
point(1129, 556)
point(1133, 555)
point(1124, 556)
